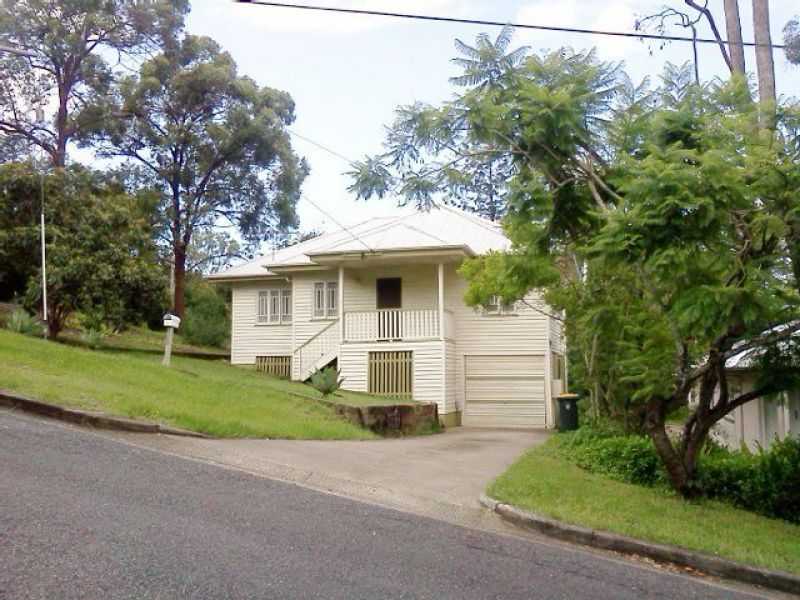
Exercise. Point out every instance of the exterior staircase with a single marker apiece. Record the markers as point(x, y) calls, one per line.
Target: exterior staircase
point(317, 352)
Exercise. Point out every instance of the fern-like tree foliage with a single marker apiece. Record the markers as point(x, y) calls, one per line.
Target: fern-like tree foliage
point(431, 152)
point(664, 222)
point(791, 41)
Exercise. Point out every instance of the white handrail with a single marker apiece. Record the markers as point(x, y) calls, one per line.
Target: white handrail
point(391, 324)
point(322, 345)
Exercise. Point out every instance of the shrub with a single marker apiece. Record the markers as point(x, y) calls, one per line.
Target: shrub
point(326, 381)
point(631, 459)
point(94, 338)
point(767, 482)
point(20, 321)
point(205, 321)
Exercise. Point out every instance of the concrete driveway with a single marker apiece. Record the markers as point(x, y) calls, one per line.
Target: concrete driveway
point(436, 475)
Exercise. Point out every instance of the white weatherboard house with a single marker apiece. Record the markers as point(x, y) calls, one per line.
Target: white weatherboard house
point(384, 302)
point(760, 422)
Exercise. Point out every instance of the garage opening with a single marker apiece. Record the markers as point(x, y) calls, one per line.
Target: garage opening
point(505, 391)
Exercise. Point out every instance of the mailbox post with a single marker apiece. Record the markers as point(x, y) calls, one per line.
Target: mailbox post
point(171, 322)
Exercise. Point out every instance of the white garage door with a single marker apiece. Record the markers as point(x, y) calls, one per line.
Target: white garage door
point(505, 391)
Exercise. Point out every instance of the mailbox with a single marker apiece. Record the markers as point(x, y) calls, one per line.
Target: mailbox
point(173, 321)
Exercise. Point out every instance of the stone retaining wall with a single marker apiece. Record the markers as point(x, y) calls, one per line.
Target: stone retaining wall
point(391, 419)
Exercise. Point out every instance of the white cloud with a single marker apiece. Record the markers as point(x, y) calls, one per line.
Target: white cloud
point(640, 59)
point(289, 20)
point(613, 16)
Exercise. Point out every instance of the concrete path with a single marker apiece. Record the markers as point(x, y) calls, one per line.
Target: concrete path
point(435, 475)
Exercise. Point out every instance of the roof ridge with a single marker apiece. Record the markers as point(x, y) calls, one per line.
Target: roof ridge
point(492, 226)
point(342, 230)
point(379, 227)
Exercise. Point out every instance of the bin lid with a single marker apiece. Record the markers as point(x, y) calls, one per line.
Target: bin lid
point(568, 396)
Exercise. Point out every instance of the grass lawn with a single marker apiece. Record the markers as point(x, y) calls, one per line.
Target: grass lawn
point(340, 396)
point(141, 338)
point(556, 488)
point(207, 396)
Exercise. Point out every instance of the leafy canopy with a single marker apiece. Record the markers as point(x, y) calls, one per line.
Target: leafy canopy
point(432, 153)
point(65, 70)
point(100, 256)
point(212, 142)
point(664, 222)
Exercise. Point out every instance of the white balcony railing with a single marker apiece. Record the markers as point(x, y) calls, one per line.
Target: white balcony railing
point(391, 324)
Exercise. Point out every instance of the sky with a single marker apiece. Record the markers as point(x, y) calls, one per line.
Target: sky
point(348, 73)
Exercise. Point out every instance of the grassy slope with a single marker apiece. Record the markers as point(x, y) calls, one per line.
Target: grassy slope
point(208, 396)
point(141, 338)
point(341, 396)
point(559, 489)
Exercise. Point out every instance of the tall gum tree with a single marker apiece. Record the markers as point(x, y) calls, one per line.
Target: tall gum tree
point(213, 142)
point(62, 66)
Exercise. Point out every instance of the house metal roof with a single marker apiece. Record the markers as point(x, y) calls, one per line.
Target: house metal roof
point(748, 359)
point(441, 227)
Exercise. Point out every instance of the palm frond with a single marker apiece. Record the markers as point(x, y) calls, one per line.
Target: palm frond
point(504, 38)
point(466, 49)
point(514, 57)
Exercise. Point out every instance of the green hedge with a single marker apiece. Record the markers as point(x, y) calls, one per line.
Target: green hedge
point(766, 482)
point(206, 319)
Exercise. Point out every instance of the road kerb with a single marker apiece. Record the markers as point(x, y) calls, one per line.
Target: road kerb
point(705, 563)
point(87, 418)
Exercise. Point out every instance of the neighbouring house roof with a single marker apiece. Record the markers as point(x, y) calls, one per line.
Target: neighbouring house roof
point(439, 228)
point(747, 359)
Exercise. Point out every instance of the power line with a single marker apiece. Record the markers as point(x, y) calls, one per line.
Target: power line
point(327, 214)
point(320, 146)
point(418, 17)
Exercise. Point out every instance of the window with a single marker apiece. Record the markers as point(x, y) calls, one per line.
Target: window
point(495, 306)
point(326, 299)
point(274, 307)
point(286, 305)
point(333, 299)
point(559, 367)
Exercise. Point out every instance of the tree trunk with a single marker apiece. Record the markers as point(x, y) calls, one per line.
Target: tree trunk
point(733, 28)
point(680, 464)
point(676, 472)
point(180, 278)
point(55, 322)
point(793, 241)
point(764, 61)
point(59, 153)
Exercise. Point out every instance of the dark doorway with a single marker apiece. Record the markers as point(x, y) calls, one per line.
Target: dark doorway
point(389, 292)
point(388, 297)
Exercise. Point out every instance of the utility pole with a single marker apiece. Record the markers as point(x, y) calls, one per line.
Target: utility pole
point(40, 119)
point(764, 61)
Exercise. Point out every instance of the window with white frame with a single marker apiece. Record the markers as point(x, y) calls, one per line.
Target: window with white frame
point(496, 306)
point(274, 306)
point(326, 299)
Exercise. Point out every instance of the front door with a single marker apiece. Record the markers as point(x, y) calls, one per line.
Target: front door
point(389, 298)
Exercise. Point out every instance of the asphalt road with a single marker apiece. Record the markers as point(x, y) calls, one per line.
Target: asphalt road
point(83, 516)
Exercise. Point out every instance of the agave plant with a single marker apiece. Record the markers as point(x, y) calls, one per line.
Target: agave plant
point(326, 381)
point(23, 322)
point(94, 338)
